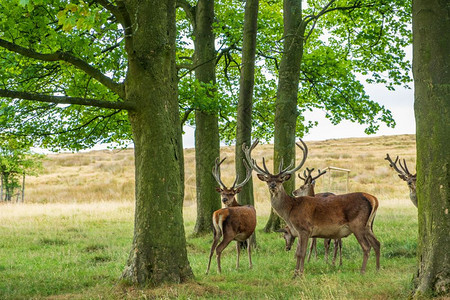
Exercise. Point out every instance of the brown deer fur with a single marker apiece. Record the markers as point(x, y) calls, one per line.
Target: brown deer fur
point(308, 217)
point(307, 189)
point(234, 222)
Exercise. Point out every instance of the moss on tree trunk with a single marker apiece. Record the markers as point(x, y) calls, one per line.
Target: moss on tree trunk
point(207, 145)
point(244, 109)
point(158, 253)
point(431, 68)
point(286, 104)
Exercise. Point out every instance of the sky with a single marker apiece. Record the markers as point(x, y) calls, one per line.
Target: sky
point(400, 102)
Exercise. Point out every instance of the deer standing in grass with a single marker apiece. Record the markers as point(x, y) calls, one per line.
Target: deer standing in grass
point(234, 222)
point(309, 217)
point(307, 189)
point(406, 176)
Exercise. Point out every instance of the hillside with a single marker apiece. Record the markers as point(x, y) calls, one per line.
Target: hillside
point(109, 175)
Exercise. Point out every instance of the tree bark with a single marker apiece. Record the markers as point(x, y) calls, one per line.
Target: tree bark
point(286, 103)
point(431, 69)
point(207, 144)
point(23, 188)
point(244, 109)
point(158, 252)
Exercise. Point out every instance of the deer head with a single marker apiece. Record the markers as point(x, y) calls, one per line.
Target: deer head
point(405, 175)
point(228, 194)
point(274, 181)
point(307, 189)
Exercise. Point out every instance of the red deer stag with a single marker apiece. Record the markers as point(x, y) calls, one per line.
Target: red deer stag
point(234, 222)
point(307, 189)
point(308, 216)
point(406, 176)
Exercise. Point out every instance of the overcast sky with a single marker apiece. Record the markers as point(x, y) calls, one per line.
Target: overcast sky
point(400, 102)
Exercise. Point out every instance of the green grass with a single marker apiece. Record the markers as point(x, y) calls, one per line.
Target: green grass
point(78, 252)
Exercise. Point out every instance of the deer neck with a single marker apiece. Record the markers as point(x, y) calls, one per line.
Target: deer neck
point(281, 202)
point(413, 196)
point(233, 203)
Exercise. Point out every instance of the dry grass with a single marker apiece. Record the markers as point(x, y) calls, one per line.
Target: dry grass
point(105, 175)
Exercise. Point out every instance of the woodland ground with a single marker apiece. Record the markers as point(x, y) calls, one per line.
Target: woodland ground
point(71, 237)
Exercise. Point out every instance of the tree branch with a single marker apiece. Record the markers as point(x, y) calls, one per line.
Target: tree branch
point(326, 9)
point(112, 9)
point(115, 87)
point(67, 100)
point(188, 9)
point(186, 116)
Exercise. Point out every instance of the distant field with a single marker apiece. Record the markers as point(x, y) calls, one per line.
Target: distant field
point(71, 238)
point(109, 175)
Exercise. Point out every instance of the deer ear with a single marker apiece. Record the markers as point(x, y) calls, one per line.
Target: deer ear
point(261, 177)
point(218, 189)
point(286, 177)
point(239, 189)
point(402, 177)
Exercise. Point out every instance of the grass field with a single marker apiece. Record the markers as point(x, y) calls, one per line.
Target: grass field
point(71, 238)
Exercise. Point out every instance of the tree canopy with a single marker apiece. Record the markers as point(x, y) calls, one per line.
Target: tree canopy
point(74, 53)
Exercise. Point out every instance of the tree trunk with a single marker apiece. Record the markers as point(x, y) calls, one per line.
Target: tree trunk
point(23, 188)
point(158, 252)
point(8, 188)
point(431, 69)
point(207, 144)
point(244, 109)
point(286, 103)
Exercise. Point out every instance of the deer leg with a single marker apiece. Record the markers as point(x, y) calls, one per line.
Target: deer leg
point(249, 251)
point(313, 246)
point(238, 250)
point(376, 246)
point(219, 250)
point(326, 245)
point(365, 245)
point(339, 241)
point(336, 245)
point(302, 247)
point(213, 247)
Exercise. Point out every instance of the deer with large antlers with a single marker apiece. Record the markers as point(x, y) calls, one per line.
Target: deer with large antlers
point(309, 217)
point(405, 175)
point(234, 222)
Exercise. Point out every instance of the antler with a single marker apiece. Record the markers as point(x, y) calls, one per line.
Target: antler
point(252, 163)
point(265, 171)
point(216, 172)
point(320, 174)
point(404, 167)
point(305, 155)
point(247, 177)
point(308, 178)
point(404, 170)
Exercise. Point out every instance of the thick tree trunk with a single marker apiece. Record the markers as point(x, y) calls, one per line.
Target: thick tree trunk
point(244, 109)
point(431, 69)
point(158, 252)
point(286, 104)
point(207, 144)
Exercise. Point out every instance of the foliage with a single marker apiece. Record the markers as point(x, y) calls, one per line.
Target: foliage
point(344, 48)
point(16, 160)
point(83, 31)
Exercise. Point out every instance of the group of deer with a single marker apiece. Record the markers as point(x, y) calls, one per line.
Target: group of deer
point(306, 214)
